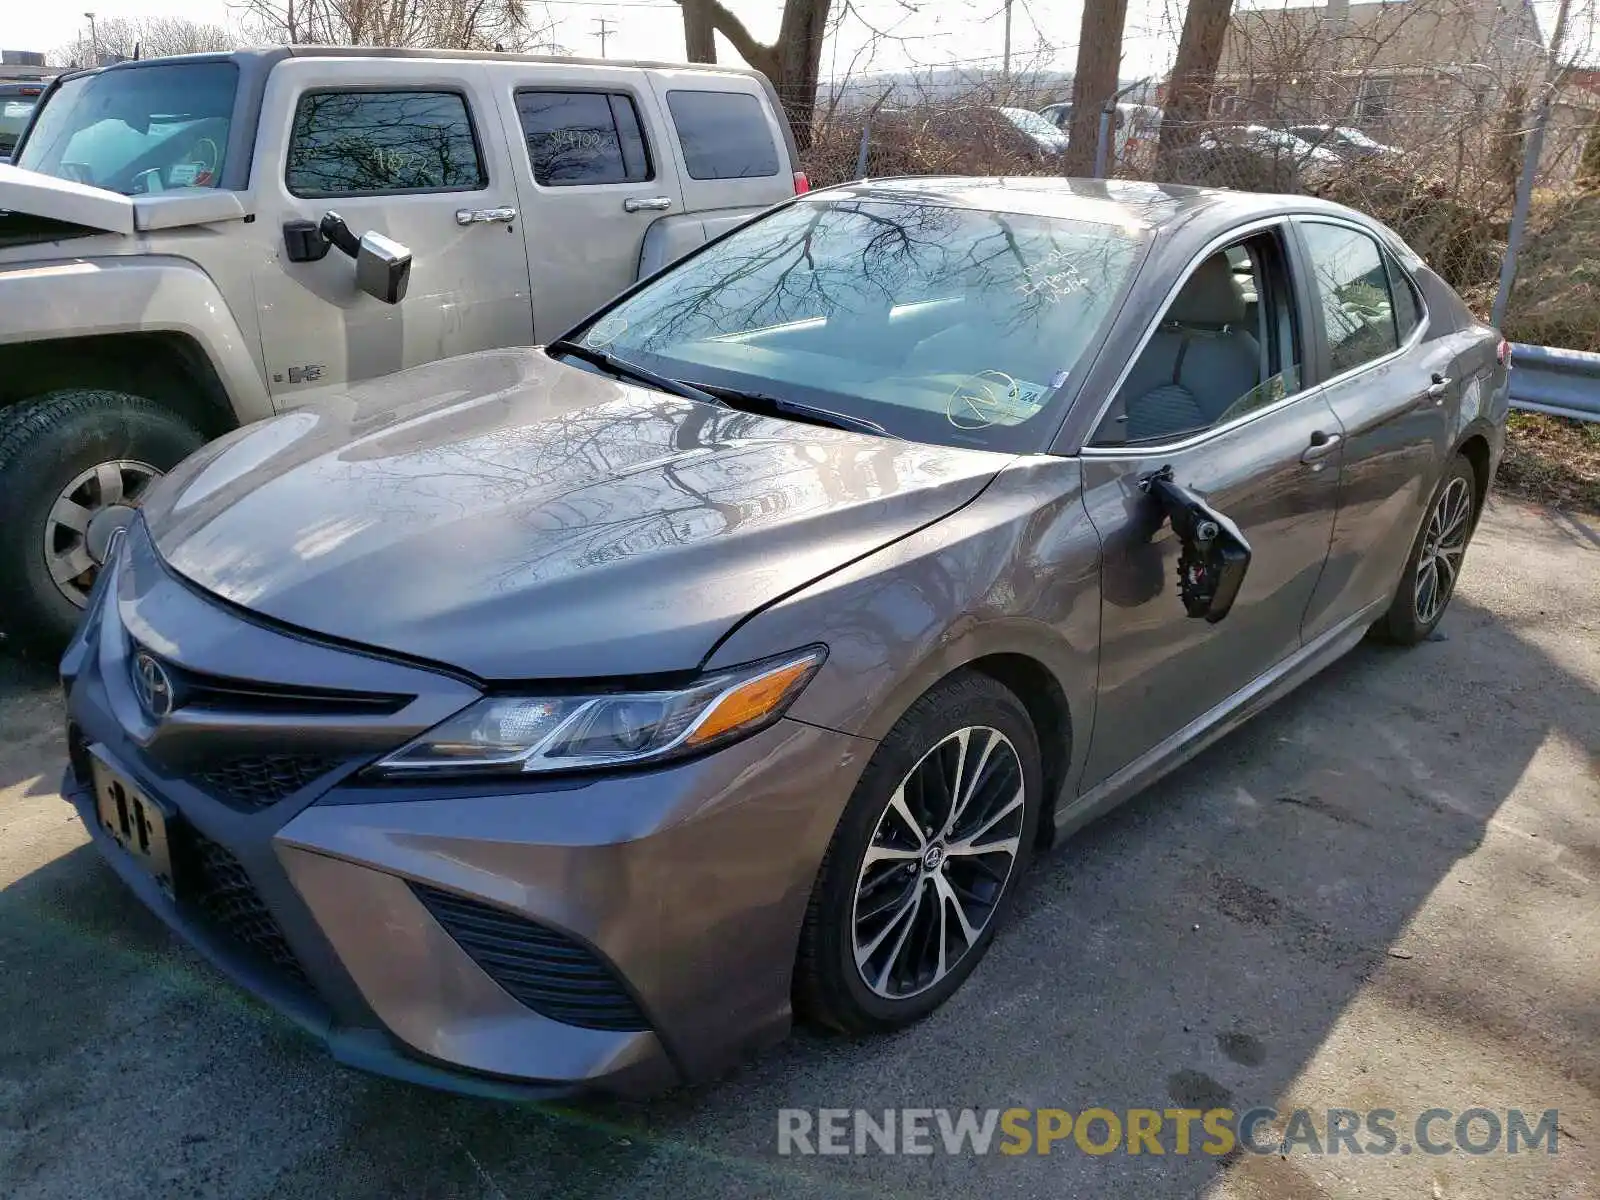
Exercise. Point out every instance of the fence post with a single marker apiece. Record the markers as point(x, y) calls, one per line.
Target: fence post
point(1100, 141)
point(1519, 213)
point(861, 155)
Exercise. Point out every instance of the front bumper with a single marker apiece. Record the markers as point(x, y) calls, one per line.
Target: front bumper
point(655, 913)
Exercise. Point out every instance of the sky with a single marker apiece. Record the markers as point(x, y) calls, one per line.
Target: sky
point(923, 32)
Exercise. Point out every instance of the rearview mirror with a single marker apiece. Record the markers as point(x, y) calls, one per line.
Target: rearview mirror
point(1215, 555)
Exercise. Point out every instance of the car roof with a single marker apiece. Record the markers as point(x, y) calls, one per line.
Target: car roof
point(1153, 206)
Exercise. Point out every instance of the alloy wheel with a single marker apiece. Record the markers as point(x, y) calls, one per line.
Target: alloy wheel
point(1443, 546)
point(938, 862)
point(91, 496)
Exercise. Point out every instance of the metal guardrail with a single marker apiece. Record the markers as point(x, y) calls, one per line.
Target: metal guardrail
point(1564, 383)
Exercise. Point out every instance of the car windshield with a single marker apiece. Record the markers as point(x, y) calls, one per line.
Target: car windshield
point(942, 324)
point(137, 129)
point(1032, 124)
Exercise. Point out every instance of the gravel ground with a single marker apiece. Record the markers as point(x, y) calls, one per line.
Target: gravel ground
point(1383, 893)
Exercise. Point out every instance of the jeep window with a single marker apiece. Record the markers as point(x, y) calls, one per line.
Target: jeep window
point(724, 135)
point(940, 323)
point(366, 143)
point(583, 137)
point(137, 129)
point(16, 106)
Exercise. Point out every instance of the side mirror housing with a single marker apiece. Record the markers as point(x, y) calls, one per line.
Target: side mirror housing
point(1215, 556)
point(383, 268)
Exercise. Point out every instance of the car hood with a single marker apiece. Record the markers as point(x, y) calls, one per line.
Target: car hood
point(519, 518)
point(62, 200)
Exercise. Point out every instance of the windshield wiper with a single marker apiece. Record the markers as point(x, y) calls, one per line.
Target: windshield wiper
point(799, 410)
point(630, 370)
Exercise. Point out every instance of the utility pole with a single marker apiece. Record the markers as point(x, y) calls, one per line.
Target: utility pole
point(94, 42)
point(1005, 63)
point(605, 32)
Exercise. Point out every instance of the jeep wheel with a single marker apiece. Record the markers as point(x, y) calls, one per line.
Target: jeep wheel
point(68, 461)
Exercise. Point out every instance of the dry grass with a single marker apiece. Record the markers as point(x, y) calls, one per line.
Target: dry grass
point(1552, 460)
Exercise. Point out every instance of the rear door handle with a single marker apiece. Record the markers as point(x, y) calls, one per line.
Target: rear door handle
point(1439, 386)
point(483, 216)
point(647, 204)
point(1322, 445)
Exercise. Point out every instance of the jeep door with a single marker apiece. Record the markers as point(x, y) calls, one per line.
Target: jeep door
point(409, 148)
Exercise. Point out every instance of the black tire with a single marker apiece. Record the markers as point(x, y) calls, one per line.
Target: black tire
point(1409, 620)
point(45, 443)
point(829, 987)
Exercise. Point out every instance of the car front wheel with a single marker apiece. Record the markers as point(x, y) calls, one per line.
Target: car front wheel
point(926, 859)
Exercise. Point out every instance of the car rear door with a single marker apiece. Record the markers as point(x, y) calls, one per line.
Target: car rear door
point(594, 170)
point(400, 147)
point(1392, 387)
point(1267, 460)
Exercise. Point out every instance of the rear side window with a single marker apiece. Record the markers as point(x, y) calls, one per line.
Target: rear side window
point(583, 137)
point(1407, 308)
point(363, 143)
point(1352, 284)
point(724, 135)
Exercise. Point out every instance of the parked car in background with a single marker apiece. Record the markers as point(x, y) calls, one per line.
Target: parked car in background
point(1136, 128)
point(1047, 139)
point(1269, 142)
point(1349, 145)
point(562, 717)
point(17, 101)
point(165, 238)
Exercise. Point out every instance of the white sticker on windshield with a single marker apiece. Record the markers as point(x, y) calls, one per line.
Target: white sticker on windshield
point(1059, 379)
point(184, 174)
point(993, 398)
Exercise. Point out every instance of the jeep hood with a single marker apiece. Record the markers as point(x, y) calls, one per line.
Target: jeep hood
point(519, 518)
point(53, 199)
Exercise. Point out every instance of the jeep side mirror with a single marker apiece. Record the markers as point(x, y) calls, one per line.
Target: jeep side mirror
point(1215, 555)
point(383, 265)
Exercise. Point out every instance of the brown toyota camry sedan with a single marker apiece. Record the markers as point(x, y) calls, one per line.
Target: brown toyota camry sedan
point(574, 716)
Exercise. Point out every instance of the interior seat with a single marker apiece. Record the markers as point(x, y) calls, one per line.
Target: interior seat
point(1198, 362)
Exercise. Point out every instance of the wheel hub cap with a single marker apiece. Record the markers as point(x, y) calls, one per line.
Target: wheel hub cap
point(1443, 545)
point(938, 862)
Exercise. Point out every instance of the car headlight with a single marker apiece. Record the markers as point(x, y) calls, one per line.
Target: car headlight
point(533, 734)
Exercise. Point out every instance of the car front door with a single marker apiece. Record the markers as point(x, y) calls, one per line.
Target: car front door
point(1391, 386)
point(411, 149)
point(1218, 396)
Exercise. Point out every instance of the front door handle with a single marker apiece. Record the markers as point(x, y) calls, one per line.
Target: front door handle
point(484, 216)
point(1322, 445)
point(647, 204)
point(1439, 386)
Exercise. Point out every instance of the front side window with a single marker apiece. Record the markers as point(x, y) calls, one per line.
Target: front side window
point(943, 324)
point(724, 135)
point(1352, 288)
point(582, 137)
point(1226, 346)
point(137, 130)
point(364, 143)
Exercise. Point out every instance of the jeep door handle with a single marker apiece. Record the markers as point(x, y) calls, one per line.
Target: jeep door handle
point(484, 216)
point(1322, 445)
point(647, 204)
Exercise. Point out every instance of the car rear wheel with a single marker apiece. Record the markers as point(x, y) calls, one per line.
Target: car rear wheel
point(1440, 548)
point(69, 462)
point(925, 861)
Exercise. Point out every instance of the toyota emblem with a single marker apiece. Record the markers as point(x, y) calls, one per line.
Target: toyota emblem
point(152, 684)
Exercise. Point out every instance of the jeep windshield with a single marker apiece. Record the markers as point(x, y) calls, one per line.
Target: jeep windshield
point(939, 323)
point(136, 129)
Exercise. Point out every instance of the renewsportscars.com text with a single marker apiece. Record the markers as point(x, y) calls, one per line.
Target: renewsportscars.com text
point(1215, 1131)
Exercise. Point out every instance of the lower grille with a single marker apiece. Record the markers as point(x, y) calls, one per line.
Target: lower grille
point(257, 781)
point(549, 972)
point(223, 893)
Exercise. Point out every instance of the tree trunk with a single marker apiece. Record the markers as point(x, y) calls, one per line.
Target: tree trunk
point(792, 64)
point(699, 35)
point(1094, 82)
point(1194, 75)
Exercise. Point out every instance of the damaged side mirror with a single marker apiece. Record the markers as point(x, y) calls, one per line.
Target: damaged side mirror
point(1215, 555)
point(383, 265)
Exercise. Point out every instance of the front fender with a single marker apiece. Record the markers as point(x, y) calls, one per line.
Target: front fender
point(1015, 572)
point(92, 297)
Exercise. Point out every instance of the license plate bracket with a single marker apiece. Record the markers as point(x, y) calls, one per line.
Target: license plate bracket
point(136, 821)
